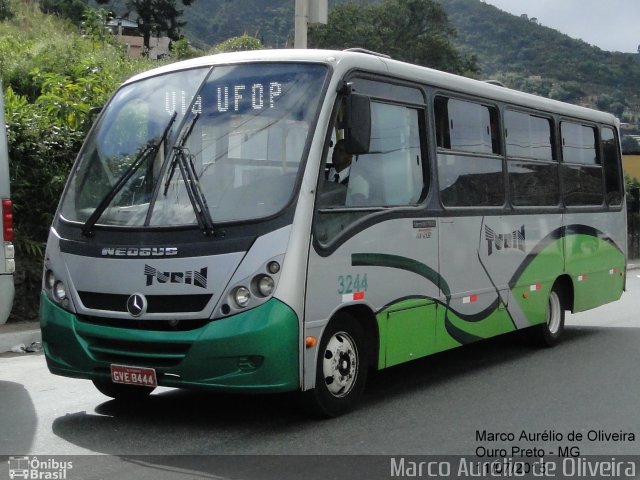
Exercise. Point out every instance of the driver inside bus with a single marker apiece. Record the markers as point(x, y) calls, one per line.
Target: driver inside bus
point(341, 161)
point(340, 172)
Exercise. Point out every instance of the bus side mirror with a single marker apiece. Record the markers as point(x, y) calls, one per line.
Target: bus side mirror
point(358, 124)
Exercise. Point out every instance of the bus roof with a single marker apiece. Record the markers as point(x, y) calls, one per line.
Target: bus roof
point(344, 61)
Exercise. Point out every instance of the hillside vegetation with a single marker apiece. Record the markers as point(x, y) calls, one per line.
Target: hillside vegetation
point(517, 51)
point(522, 54)
point(535, 58)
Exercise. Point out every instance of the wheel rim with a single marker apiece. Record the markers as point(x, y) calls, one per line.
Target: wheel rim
point(554, 313)
point(340, 364)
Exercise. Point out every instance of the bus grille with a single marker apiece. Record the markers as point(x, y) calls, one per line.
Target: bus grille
point(149, 325)
point(158, 354)
point(157, 303)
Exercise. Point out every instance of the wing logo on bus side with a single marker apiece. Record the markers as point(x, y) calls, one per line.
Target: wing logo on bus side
point(504, 241)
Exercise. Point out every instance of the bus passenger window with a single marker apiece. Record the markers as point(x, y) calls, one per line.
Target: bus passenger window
point(579, 144)
point(582, 172)
point(466, 126)
point(469, 171)
point(528, 136)
point(611, 164)
point(533, 171)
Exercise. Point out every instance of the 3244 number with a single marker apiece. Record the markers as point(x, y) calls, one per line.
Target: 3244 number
point(352, 283)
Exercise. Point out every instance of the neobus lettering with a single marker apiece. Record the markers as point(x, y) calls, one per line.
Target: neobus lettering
point(139, 252)
point(239, 92)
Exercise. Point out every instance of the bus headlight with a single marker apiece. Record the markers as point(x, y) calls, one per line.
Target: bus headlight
point(241, 296)
point(250, 291)
point(264, 284)
point(59, 291)
point(273, 267)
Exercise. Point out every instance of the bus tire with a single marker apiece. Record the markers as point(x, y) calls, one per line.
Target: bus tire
point(341, 369)
point(120, 391)
point(548, 334)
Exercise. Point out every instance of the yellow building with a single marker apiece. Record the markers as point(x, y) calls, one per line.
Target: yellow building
point(631, 165)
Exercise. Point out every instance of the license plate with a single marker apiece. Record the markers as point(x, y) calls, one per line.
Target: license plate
point(145, 377)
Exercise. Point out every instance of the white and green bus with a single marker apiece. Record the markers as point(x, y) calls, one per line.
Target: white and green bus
point(7, 260)
point(200, 241)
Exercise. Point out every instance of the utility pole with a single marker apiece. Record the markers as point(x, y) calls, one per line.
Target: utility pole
point(308, 12)
point(301, 23)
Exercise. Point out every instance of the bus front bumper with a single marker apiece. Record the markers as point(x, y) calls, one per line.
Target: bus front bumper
point(254, 351)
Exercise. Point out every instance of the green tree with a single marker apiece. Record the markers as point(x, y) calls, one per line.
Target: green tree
point(238, 44)
point(415, 31)
point(71, 9)
point(156, 16)
point(182, 50)
point(5, 10)
point(94, 24)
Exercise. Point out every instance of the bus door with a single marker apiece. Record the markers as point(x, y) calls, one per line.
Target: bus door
point(373, 249)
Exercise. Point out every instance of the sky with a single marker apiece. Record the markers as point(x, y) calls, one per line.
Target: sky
point(612, 25)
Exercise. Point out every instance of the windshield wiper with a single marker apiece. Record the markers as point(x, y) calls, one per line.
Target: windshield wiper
point(149, 149)
point(182, 160)
point(194, 191)
point(180, 146)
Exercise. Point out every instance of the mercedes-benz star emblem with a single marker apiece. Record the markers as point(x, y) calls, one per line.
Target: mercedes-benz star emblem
point(137, 304)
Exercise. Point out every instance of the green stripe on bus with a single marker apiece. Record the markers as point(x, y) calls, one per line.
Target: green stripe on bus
point(415, 327)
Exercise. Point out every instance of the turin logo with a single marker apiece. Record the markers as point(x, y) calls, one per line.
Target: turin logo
point(197, 278)
point(504, 241)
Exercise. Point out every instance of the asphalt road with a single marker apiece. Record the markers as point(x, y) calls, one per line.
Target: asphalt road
point(448, 404)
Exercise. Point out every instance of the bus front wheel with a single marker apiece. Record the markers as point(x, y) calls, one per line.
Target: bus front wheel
point(341, 369)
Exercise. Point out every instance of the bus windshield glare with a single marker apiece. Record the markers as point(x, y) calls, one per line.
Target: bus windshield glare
point(222, 144)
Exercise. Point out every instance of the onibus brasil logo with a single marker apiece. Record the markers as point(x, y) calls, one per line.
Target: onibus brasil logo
point(36, 469)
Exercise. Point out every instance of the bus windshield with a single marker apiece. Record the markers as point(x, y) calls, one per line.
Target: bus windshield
point(224, 143)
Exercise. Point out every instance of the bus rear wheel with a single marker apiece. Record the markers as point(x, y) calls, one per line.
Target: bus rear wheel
point(548, 334)
point(341, 369)
point(120, 391)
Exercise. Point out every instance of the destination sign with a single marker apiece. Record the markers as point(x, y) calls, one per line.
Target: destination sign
point(227, 98)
